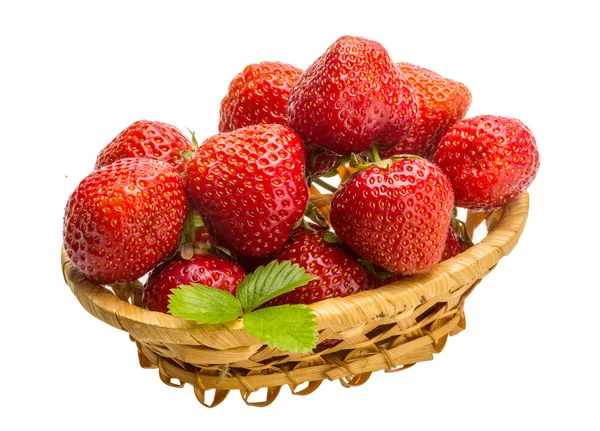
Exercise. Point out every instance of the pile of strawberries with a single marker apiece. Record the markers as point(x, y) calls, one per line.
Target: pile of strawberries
point(158, 203)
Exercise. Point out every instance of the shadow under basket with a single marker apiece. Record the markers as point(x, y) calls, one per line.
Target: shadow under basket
point(390, 328)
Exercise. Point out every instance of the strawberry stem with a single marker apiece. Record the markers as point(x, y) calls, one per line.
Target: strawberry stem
point(325, 185)
point(375, 154)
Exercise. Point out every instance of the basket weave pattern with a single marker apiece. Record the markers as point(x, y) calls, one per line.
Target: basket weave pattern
point(390, 328)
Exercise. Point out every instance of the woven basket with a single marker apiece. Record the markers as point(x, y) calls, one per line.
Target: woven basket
point(390, 328)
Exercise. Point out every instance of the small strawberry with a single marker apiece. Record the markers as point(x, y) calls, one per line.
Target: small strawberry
point(442, 102)
point(203, 235)
point(319, 161)
point(458, 239)
point(258, 95)
point(248, 187)
point(395, 214)
point(489, 159)
point(206, 269)
point(351, 97)
point(150, 139)
point(336, 270)
point(124, 218)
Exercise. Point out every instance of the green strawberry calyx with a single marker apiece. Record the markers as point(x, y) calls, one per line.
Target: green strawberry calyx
point(461, 229)
point(367, 160)
point(284, 327)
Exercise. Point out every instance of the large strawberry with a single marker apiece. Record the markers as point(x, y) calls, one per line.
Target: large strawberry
point(336, 270)
point(249, 188)
point(352, 97)
point(258, 95)
point(395, 214)
point(206, 269)
point(489, 159)
point(124, 218)
point(442, 102)
point(150, 139)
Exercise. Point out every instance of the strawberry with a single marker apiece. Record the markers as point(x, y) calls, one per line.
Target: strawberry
point(395, 214)
point(258, 95)
point(319, 161)
point(489, 159)
point(457, 240)
point(351, 97)
point(203, 235)
point(442, 102)
point(124, 218)
point(206, 269)
point(337, 271)
point(150, 139)
point(248, 187)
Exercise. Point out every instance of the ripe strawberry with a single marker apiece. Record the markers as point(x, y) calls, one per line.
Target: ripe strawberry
point(457, 240)
point(337, 271)
point(206, 269)
point(203, 235)
point(319, 161)
point(442, 102)
point(395, 214)
point(351, 97)
point(258, 95)
point(249, 188)
point(124, 218)
point(150, 139)
point(489, 159)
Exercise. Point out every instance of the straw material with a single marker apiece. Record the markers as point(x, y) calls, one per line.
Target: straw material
point(390, 328)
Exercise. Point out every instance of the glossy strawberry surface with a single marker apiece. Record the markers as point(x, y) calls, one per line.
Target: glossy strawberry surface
point(336, 270)
point(249, 188)
point(206, 269)
point(351, 97)
point(489, 159)
point(150, 139)
point(395, 216)
point(123, 219)
point(258, 94)
point(442, 102)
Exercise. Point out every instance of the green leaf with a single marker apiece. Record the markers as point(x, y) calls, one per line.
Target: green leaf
point(284, 327)
point(267, 282)
point(204, 304)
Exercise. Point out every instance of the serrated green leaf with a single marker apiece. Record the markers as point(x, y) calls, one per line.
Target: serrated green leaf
point(270, 281)
point(204, 304)
point(284, 327)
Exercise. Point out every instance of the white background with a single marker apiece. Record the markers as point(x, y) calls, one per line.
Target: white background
point(73, 75)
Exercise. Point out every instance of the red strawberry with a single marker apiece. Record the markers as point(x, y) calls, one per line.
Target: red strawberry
point(203, 235)
point(319, 161)
point(395, 214)
point(457, 240)
point(205, 269)
point(249, 188)
point(258, 94)
point(352, 97)
point(489, 159)
point(124, 218)
point(337, 271)
point(442, 102)
point(150, 139)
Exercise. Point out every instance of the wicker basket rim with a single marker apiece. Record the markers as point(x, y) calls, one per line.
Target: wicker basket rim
point(354, 310)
